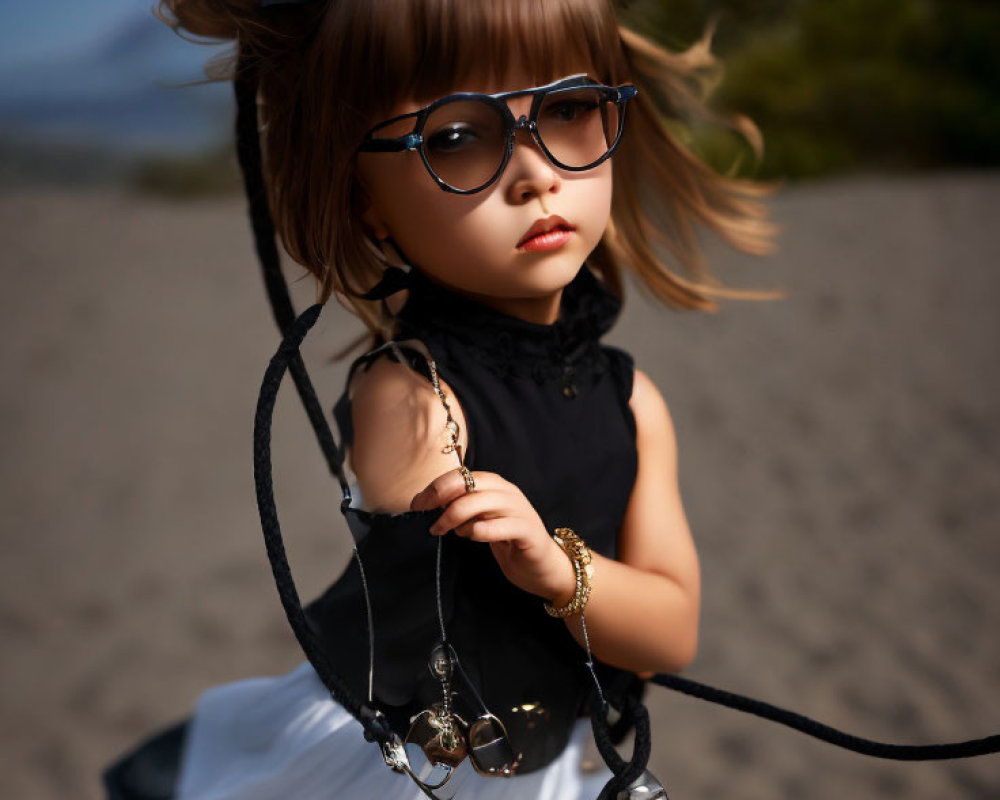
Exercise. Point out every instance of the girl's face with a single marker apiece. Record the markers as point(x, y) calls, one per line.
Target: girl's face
point(475, 243)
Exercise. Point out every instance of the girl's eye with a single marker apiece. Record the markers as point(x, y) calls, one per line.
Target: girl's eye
point(451, 139)
point(570, 110)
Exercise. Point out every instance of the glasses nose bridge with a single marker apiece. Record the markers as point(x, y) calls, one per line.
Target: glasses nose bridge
point(523, 118)
point(526, 124)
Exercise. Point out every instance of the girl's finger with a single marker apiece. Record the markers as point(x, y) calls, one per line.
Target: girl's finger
point(465, 507)
point(447, 487)
point(495, 529)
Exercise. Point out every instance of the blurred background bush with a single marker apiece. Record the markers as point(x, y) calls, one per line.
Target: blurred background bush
point(834, 85)
point(837, 85)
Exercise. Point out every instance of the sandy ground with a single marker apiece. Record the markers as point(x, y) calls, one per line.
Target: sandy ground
point(840, 462)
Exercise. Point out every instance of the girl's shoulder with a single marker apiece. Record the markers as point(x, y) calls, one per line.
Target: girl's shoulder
point(649, 407)
point(398, 425)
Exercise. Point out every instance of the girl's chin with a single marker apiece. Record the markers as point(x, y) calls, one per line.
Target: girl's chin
point(527, 274)
point(554, 269)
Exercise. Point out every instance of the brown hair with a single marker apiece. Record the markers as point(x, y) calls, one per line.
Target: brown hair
point(329, 70)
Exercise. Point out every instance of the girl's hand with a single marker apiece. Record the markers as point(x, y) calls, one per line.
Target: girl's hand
point(497, 512)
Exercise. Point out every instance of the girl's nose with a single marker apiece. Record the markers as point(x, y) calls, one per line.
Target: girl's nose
point(530, 173)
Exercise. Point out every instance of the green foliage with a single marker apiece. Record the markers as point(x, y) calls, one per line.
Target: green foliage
point(839, 84)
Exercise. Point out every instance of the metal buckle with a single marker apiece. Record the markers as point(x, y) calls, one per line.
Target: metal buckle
point(395, 757)
point(645, 787)
point(393, 754)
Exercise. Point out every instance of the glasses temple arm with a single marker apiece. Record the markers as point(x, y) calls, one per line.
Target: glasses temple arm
point(395, 145)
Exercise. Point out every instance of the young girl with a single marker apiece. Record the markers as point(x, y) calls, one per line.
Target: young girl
point(444, 169)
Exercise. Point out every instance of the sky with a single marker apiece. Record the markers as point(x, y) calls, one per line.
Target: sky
point(42, 29)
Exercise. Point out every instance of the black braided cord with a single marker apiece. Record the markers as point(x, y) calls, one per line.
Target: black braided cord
point(288, 358)
point(376, 728)
point(249, 156)
point(810, 727)
point(633, 715)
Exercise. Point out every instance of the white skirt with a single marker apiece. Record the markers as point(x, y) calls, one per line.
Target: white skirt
point(283, 738)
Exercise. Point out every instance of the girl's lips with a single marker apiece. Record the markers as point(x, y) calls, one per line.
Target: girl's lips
point(550, 240)
point(541, 228)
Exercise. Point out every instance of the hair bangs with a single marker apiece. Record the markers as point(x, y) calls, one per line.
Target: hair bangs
point(420, 50)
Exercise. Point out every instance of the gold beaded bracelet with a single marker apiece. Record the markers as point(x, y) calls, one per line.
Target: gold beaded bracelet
point(578, 552)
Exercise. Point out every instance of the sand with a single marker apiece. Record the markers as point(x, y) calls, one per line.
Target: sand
point(839, 457)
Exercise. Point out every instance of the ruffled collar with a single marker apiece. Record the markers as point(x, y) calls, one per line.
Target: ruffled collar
point(511, 346)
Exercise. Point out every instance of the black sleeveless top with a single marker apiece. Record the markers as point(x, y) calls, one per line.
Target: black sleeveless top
point(546, 407)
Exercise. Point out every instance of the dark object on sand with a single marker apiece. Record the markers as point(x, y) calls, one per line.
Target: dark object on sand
point(150, 770)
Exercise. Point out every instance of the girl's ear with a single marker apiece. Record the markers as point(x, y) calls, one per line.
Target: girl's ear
point(365, 210)
point(374, 222)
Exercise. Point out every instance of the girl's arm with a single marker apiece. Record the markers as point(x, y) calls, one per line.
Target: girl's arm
point(399, 430)
point(643, 609)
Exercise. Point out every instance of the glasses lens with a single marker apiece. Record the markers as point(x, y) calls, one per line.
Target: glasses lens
point(491, 751)
point(464, 143)
point(423, 752)
point(578, 126)
point(434, 774)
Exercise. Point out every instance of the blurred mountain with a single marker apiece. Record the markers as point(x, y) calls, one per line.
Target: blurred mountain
point(120, 94)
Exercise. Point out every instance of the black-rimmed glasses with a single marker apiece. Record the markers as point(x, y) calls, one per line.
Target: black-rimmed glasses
point(466, 139)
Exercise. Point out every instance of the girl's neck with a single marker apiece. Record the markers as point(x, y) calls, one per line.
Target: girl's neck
point(538, 310)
